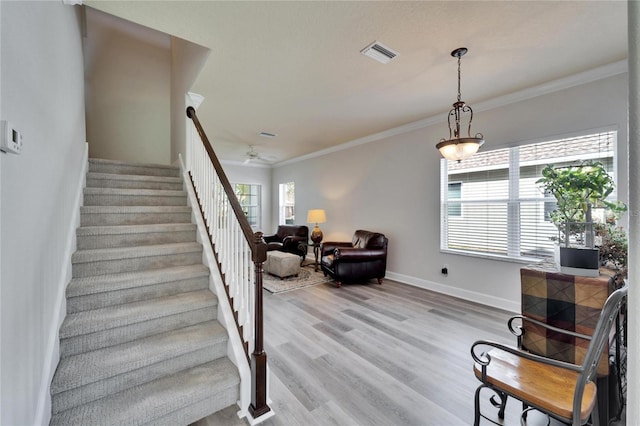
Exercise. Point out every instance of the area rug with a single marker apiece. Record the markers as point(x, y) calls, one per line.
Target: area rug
point(307, 277)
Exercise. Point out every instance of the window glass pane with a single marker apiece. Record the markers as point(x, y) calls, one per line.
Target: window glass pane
point(455, 193)
point(249, 198)
point(287, 203)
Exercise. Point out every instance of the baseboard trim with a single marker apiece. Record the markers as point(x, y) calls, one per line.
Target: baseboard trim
point(472, 296)
point(52, 354)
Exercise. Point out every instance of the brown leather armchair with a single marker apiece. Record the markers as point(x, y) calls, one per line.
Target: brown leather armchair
point(289, 238)
point(364, 258)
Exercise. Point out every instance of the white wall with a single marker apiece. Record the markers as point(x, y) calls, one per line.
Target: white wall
point(254, 175)
point(128, 77)
point(392, 186)
point(42, 85)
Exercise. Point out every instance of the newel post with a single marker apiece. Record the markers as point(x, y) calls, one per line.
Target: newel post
point(258, 405)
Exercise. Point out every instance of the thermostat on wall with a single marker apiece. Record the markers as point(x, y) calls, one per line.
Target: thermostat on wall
point(10, 138)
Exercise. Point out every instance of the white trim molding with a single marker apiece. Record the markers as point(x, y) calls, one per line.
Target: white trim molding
point(52, 354)
point(471, 296)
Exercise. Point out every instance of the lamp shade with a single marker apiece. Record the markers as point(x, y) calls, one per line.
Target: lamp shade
point(316, 216)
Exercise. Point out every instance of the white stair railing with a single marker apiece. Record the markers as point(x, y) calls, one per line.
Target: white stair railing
point(240, 254)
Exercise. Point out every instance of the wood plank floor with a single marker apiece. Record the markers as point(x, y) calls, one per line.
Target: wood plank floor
point(372, 354)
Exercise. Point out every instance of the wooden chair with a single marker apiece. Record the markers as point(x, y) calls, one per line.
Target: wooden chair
point(564, 391)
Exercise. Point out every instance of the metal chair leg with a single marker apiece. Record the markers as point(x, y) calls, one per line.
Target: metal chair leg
point(476, 420)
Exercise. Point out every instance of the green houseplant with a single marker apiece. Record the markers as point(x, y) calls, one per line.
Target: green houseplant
point(578, 189)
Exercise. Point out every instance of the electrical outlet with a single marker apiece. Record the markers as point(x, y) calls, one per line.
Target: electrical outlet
point(445, 270)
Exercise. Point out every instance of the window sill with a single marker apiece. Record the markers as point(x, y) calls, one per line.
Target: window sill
point(502, 258)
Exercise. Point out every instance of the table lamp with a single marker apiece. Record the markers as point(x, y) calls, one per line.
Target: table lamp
point(316, 216)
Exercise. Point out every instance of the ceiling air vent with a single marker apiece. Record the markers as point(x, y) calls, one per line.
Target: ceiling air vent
point(379, 52)
point(267, 135)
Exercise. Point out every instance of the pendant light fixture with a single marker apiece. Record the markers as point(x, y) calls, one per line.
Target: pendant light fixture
point(458, 147)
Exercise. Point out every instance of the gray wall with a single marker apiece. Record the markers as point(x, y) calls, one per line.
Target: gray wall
point(392, 186)
point(42, 85)
point(128, 95)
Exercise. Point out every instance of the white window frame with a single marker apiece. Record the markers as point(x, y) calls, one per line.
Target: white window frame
point(514, 201)
point(284, 204)
point(258, 206)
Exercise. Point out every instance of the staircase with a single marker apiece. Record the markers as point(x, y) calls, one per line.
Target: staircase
point(140, 343)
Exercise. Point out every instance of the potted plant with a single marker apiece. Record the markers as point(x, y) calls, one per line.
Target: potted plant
point(578, 189)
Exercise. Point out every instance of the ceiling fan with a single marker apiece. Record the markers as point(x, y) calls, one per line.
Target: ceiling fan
point(253, 155)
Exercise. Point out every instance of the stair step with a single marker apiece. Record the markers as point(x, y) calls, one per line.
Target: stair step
point(90, 330)
point(89, 376)
point(100, 291)
point(133, 215)
point(118, 167)
point(133, 197)
point(179, 399)
point(128, 259)
point(111, 180)
point(93, 237)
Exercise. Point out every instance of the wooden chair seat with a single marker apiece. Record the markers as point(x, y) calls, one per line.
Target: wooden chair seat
point(549, 388)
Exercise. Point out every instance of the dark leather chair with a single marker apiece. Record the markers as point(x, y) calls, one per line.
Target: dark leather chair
point(364, 258)
point(289, 238)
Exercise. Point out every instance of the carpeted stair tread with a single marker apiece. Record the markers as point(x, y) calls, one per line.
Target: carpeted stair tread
point(89, 367)
point(162, 401)
point(93, 255)
point(135, 191)
point(137, 312)
point(133, 197)
point(133, 215)
point(101, 291)
point(119, 167)
point(134, 229)
point(126, 280)
point(94, 237)
point(134, 209)
point(134, 178)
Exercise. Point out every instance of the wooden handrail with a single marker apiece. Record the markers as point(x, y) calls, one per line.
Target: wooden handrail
point(258, 247)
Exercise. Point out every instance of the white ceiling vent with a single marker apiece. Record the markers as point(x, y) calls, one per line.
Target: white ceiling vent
point(267, 135)
point(379, 52)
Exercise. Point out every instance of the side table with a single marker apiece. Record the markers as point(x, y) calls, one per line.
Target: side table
point(316, 252)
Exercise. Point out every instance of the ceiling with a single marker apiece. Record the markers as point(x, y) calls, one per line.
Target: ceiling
point(294, 68)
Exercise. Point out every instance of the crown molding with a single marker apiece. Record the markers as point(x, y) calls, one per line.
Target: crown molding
point(599, 73)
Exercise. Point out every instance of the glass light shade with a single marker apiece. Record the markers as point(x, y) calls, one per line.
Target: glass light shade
point(459, 149)
point(316, 216)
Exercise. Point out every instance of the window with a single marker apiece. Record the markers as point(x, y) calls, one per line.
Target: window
point(287, 203)
point(249, 198)
point(491, 205)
